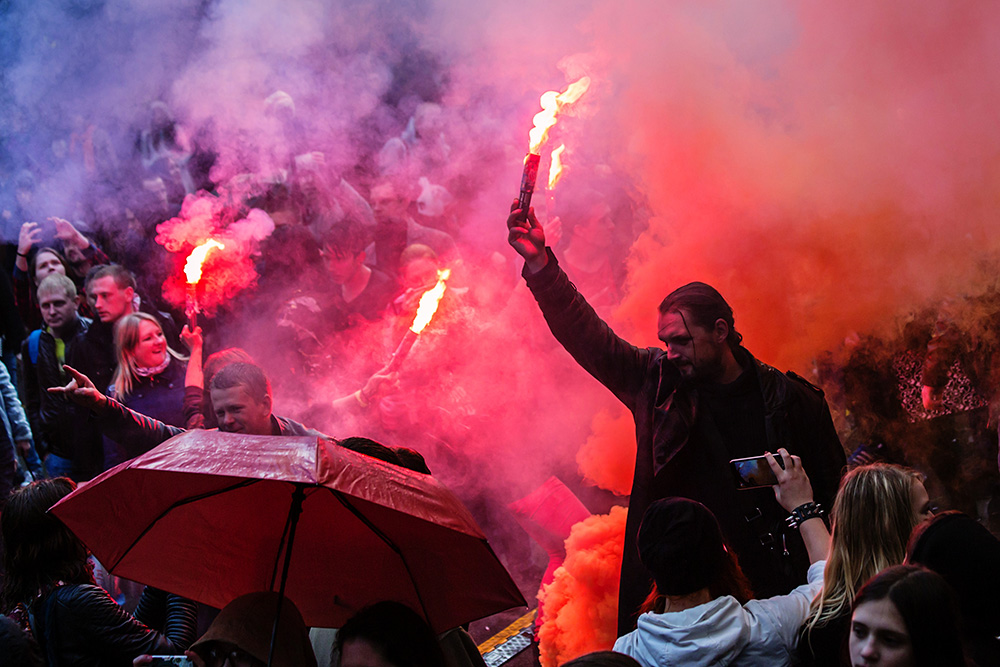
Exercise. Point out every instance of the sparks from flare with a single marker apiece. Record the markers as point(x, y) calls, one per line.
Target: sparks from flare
point(192, 267)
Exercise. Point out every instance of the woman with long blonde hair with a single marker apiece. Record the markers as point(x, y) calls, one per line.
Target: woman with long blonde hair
point(876, 509)
point(149, 377)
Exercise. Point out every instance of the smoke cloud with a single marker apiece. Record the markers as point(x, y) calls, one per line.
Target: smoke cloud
point(830, 168)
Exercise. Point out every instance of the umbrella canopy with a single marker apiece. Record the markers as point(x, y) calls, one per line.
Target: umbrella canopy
point(207, 514)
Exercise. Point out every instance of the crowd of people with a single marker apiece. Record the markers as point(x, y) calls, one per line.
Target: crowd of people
point(836, 562)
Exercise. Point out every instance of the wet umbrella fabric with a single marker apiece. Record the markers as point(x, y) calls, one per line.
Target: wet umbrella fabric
point(206, 515)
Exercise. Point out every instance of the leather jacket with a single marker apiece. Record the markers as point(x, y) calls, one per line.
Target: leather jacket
point(81, 625)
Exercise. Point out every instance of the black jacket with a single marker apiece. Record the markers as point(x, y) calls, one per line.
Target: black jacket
point(143, 433)
point(679, 451)
point(80, 625)
point(55, 419)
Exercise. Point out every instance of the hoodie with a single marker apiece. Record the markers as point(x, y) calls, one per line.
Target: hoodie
point(723, 632)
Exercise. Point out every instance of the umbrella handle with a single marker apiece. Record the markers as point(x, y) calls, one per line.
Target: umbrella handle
point(298, 497)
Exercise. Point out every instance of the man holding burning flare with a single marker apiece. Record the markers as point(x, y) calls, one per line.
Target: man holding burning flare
point(699, 403)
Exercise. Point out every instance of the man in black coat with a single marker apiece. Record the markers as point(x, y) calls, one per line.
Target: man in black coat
point(54, 420)
point(698, 404)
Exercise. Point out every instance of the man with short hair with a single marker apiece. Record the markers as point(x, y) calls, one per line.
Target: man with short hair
point(110, 291)
point(699, 403)
point(395, 229)
point(54, 420)
point(241, 398)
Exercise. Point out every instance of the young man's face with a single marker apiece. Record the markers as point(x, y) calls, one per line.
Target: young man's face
point(237, 411)
point(58, 309)
point(341, 265)
point(695, 351)
point(109, 301)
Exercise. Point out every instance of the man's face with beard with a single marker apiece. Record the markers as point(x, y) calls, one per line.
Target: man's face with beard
point(697, 352)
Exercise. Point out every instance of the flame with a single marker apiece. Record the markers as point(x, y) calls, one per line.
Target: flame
point(556, 167)
point(192, 267)
point(429, 301)
point(552, 103)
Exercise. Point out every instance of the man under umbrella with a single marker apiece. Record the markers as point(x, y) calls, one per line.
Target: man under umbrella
point(241, 397)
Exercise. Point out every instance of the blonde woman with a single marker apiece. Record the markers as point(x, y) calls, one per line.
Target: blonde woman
point(876, 509)
point(149, 378)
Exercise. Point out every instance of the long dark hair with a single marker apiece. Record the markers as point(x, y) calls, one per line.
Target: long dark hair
point(927, 605)
point(39, 550)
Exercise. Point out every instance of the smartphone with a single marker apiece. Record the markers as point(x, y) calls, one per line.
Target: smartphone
point(754, 472)
point(168, 660)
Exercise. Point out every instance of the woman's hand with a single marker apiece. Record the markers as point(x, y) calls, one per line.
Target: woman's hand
point(793, 487)
point(30, 235)
point(192, 339)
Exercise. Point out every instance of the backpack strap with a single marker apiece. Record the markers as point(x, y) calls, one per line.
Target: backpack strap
point(33, 339)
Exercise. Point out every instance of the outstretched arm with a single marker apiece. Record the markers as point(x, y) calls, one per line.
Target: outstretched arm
point(136, 431)
point(614, 362)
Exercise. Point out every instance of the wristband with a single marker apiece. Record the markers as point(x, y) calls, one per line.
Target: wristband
point(21, 254)
point(361, 399)
point(804, 512)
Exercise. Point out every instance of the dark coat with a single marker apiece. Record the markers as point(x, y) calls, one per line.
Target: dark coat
point(81, 625)
point(158, 396)
point(690, 459)
point(54, 418)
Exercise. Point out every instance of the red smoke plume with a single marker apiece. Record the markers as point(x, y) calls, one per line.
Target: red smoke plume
point(226, 271)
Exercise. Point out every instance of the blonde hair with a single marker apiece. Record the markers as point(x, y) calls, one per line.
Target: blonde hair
point(873, 517)
point(126, 340)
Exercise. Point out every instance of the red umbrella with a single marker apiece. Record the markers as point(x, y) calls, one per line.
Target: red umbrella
point(206, 515)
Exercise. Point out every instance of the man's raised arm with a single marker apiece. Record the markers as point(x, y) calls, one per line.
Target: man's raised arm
point(137, 432)
point(613, 361)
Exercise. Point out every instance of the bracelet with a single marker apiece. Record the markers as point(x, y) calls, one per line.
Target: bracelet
point(804, 512)
point(21, 254)
point(360, 397)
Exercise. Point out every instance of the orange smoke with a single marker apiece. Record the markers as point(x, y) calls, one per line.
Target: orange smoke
point(608, 457)
point(581, 604)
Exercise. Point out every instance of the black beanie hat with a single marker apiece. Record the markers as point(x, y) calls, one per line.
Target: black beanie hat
point(681, 544)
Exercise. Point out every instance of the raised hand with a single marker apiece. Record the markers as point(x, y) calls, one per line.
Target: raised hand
point(793, 487)
point(526, 236)
point(80, 390)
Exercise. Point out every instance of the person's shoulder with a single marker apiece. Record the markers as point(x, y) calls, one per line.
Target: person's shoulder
point(80, 595)
point(787, 385)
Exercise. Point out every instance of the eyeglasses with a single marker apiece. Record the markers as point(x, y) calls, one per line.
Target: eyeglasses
point(218, 656)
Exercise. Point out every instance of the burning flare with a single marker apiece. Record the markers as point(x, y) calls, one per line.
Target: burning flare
point(429, 301)
point(556, 166)
point(552, 104)
point(192, 267)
